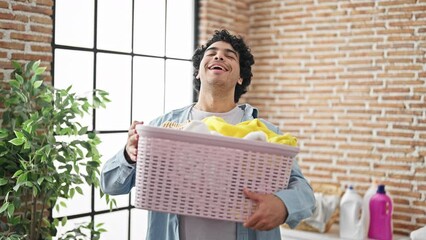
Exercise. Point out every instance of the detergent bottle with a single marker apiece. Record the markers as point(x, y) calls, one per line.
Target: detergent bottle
point(351, 225)
point(380, 215)
point(366, 206)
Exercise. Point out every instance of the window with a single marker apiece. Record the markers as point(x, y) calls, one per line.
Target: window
point(140, 52)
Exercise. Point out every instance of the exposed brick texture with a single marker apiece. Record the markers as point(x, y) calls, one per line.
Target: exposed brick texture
point(348, 78)
point(26, 33)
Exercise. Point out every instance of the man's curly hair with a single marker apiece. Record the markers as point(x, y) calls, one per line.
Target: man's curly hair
point(246, 60)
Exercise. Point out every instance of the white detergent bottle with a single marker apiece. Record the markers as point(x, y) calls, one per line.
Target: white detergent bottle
point(365, 217)
point(351, 224)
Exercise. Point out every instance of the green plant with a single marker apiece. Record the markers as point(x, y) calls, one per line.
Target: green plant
point(45, 153)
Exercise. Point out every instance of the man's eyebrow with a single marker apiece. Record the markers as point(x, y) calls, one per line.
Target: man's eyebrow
point(226, 50)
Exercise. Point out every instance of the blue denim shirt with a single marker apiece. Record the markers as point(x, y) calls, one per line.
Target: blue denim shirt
point(118, 177)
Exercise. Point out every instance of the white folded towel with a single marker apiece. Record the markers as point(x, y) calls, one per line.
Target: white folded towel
point(257, 136)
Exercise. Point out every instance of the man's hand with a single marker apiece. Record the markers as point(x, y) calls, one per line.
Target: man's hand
point(132, 141)
point(270, 213)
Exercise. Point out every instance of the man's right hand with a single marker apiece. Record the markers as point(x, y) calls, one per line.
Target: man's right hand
point(132, 141)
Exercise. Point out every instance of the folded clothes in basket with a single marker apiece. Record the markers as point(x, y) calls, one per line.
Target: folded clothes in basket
point(241, 130)
point(252, 129)
point(200, 127)
point(174, 125)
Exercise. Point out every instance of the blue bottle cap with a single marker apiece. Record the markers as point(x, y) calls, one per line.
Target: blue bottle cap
point(381, 189)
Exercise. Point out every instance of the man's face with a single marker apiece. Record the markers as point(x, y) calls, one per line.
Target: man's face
point(220, 66)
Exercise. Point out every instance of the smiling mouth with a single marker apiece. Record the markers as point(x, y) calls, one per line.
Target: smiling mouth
point(217, 67)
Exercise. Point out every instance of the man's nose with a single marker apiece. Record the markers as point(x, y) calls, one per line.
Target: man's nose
point(218, 56)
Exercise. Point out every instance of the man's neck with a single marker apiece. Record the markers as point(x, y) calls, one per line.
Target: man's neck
point(215, 105)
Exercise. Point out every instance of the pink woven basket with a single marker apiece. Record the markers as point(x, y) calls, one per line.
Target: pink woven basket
point(204, 175)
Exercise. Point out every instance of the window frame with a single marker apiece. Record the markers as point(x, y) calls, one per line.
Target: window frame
point(95, 51)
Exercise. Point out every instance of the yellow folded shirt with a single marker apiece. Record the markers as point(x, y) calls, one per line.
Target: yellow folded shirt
point(240, 130)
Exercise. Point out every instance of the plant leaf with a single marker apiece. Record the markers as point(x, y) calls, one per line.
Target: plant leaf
point(19, 134)
point(29, 67)
point(35, 65)
point(17, 173)
point(6, 197)
point(3, 181)
point(55, 222)
point(14, 83)
point(4, 207)
point(27, 145)
point(10, 210)
point(22, 178)
point(35, 191)
point(16, 187)
point(82, 131)
point(40, 70)
point(19, 78)
point(17, 66)
point(64, 221)
point(72, 192)
point(22, 96)
point(17, 141)
point(79, 190)
point(40, 180)
point(3, 133)
point(37, 84)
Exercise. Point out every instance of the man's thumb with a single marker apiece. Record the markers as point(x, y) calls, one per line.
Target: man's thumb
point(252, 195)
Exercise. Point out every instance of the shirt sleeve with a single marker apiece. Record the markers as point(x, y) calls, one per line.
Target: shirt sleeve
point(117, 175)
point(298, 197)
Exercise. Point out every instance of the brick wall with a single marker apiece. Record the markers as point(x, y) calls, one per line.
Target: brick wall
point(25, 33)
point(223, 14)
point(348, 78)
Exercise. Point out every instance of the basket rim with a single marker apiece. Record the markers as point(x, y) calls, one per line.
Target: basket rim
point(215, 140)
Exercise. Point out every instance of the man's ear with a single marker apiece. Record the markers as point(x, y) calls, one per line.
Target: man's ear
point(198, 76)
point(240, 81)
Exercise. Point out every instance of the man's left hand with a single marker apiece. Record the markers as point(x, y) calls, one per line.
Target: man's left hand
point(270, 212)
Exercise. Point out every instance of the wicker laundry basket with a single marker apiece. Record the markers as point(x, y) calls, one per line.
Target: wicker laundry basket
point(203, 175)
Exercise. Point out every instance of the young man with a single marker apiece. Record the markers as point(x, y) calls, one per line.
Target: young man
point(222, 74)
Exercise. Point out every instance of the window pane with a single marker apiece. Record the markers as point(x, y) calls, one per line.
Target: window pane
point(138, 224)
point(77, 205)
point(180, 28)
point(116, 224)
point(115, 25)
point(75, 68)
point(149, 27)
point(110, 145)
point(178, 84)
point(71, 29)
point(71, 224)
point(113, 74)
point(148, 88)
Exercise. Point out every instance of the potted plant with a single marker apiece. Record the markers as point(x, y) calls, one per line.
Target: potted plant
point(45, 153)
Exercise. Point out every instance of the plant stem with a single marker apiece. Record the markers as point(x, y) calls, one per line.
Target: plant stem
point(33, 235)
point(42, 211)
point(26, 203)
